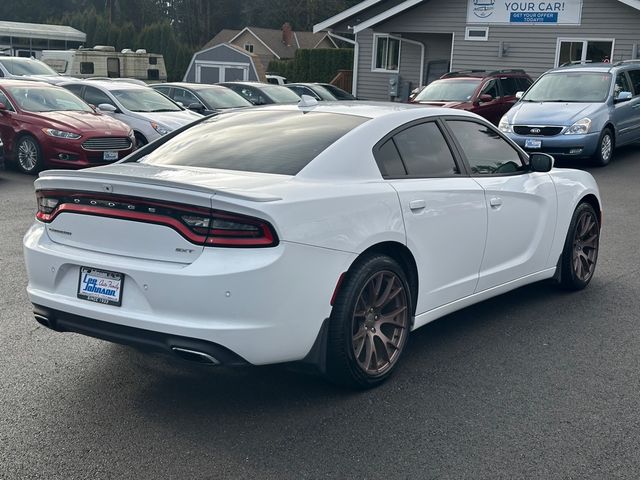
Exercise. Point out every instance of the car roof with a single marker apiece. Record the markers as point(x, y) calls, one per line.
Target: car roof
point(251, 84)
point(479, 74)
point(586, 67)
point(13, 82)
point(107, 84)
point(194, 86)
point(366, 109)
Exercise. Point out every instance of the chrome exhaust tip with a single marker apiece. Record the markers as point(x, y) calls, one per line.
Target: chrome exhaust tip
point(195, 356)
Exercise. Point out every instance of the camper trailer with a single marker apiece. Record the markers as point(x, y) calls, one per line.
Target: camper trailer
point(104, 61)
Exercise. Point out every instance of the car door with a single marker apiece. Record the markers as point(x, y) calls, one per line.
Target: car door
point(509, 87)
point(521, 205)
point(444, 211)
point(491, 109)
point(625, 112)
point(8, 123)
point(631, 108)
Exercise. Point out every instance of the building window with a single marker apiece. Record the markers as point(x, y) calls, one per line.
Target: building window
point(86, 68)
point(248, 47)
point(387, 53)
point(477, 34)
point(579, 50)
point(153, 60)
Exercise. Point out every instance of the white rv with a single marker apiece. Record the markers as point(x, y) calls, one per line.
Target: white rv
point(104, 61)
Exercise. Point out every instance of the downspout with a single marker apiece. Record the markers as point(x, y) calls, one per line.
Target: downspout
point(356, 52)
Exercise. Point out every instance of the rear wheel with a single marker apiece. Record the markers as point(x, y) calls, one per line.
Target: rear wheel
point(580, 254)
point(604, 153)
point(369, 324)
point(28, 155)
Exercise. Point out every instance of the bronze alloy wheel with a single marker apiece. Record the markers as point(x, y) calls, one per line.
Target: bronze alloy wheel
point(585, 245)
point(380, 323)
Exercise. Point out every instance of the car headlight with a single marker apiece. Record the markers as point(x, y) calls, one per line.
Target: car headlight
point(162, 130)
point(504, 125)
point(580, 127)
point(52, 132)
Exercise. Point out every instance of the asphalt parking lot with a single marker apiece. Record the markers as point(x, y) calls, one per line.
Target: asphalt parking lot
point(536, 383)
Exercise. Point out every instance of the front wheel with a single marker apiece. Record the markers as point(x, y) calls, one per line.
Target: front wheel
point(604, 153)
point(369, 324)
point(28, 155)
point(580, 254)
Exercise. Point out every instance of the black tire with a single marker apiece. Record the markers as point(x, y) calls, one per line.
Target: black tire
point(604, 152)
point(356, 316)
point(141, 140)
point(27, 155)
point(580, 249)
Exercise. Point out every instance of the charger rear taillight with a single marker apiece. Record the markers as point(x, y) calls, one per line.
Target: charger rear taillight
point(199, 225)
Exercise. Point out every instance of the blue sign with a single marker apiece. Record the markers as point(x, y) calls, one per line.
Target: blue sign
point(534, 17)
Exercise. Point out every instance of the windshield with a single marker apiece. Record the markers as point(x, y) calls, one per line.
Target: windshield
point(222, 97)
point(281, 94)
point(47, 99)
point(145, 100)
point(448, 91)
point(584, 87)
point(255, 141)
point(26, 66)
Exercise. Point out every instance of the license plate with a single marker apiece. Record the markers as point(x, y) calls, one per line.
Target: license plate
point(532, 143)
point(110, 156)
point(100, 286)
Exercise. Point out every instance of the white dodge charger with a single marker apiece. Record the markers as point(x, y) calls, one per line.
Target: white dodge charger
point(322, 234)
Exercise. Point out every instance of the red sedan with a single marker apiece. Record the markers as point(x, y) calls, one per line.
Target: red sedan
point(44, 126)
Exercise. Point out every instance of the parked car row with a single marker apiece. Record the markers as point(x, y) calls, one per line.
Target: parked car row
point(581, 111)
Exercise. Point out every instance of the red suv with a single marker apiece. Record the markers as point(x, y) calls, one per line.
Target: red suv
point(489, 94)
point(44, 126)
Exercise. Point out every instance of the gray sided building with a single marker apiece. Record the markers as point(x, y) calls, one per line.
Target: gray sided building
point(419, 40)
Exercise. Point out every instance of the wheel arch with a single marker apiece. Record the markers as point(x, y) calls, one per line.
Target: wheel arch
point(592, 200)
point(401, 254)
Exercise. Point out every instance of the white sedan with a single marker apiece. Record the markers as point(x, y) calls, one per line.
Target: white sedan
point(321, 234)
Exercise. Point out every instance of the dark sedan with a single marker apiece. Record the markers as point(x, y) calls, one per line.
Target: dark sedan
point(202, 98)
point(263, 93)
point(320, 91)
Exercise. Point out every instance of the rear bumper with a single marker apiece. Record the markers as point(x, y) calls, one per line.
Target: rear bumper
point(264, 305)
point(136, 337)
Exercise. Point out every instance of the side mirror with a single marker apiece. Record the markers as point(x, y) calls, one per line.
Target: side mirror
point(107, 108)
point(540, 162)
point(197, 107)
point(519, 95)
point(624, 96)
point(484, 98)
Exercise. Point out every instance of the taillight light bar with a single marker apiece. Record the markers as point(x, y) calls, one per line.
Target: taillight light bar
point(199, 225)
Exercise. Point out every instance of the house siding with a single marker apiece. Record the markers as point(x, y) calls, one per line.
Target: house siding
point(532, 47)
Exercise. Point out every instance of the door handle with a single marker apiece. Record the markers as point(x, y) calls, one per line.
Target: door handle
point(495, 202)
point(417, 205)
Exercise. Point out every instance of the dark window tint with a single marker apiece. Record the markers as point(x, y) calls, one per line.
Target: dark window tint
point(634, 75)
point(298, 90)
point(389, 160)
point(95, 97)
point(486, 151)
point(268, 142)
point(523, 84)
point(86, 68)
point(510, 86)
point(622, 85)
point(163, 90)
point(113, 67)
point(184, 96)
point(153, 60)
point(75, 89)
point(491, 88)
point(425, 152)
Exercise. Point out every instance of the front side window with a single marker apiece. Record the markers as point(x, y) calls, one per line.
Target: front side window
point(425, 152)
point(634, 75)
point(510, 86)
point(95, 97)
point(184, 96)
point(387, 51)
point(144, 100)
point(486, 151)
point(491, 88)
point(278, 142)
point(622, 85)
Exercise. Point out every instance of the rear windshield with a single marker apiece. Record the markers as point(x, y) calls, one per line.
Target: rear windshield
point(255, 141)
point(448, 91)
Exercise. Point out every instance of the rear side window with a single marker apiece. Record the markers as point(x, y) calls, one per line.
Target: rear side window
point(389, 160)
point(510, 86)
point(425, 152)
point(75, 89)
point(280, 142)
point(486, 151)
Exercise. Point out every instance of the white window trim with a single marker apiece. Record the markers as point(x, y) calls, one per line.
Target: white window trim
point(222, 66)
point(476, 39)
point(249, 45)
point(584, 50)
point(374, 52)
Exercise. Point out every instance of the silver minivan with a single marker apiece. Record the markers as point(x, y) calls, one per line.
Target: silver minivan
point(579, 111)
